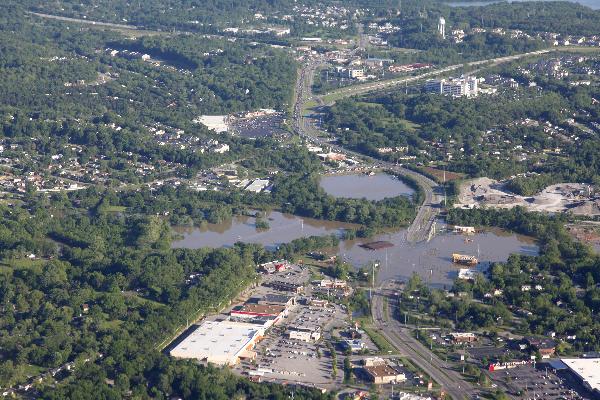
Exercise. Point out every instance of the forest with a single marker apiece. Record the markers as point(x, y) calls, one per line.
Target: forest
point(135, 293)
point(474, 136)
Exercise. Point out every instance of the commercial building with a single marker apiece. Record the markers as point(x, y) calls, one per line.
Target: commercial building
point(546, 347)
point(257, 186)
point(588, 371)
point(456, 87)
point(383, 373)
point(278, 299)
point(285, 286)
point(354, 345)
point(250, 310)
point(305, 333)
point(274, 266)
point(460, 337)
point(220, 342)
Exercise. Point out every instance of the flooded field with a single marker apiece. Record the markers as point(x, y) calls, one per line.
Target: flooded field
point(370, 187)
point(432, 259)
point(283, 228)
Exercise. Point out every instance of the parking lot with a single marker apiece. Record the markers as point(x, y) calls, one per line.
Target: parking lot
point(265, 126)
point(531, 383)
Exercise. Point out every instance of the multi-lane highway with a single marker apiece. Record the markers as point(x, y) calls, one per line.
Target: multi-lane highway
point(305, 126)
point(440, 371)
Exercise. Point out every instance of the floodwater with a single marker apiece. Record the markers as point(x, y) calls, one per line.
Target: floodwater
point(593, 4)
point(431, 259)
point(371, 187)
point(283, 228)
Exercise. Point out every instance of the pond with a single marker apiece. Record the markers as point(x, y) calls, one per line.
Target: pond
point(430, 259)
point(360, 185)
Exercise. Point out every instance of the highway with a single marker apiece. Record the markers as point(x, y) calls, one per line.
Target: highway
point(305, 126)
point(440, 371)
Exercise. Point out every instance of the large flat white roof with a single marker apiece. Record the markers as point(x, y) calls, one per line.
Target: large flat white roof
point(219, 342)
point(588, 369)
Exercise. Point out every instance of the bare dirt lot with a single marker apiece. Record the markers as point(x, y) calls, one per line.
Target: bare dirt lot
point(562, 197)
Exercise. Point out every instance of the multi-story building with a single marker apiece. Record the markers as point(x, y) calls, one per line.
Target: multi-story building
point(455, 87)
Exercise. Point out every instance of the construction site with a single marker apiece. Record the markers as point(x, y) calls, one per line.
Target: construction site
point(577, 198)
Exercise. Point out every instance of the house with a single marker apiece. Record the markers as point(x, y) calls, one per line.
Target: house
point(546, 347)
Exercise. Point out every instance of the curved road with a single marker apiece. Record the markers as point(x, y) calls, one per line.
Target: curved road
point(304, 126)
point(451, 381)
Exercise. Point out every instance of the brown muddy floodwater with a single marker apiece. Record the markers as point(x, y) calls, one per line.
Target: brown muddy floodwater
point(432, 260)
point(283, 228)
point(370, 187)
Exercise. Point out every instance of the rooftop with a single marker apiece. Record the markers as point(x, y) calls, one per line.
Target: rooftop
point(381, 370)
point(275, 298)
point(261, 309)
point(588, 369)
point(220, 342)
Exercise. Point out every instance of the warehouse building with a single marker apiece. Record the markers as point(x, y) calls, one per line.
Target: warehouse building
point(220, 342)
point(587, 370)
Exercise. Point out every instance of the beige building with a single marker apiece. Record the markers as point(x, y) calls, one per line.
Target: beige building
point(383, 373)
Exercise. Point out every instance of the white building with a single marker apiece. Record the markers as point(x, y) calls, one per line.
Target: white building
point(455, 87)
point(305, 334)
point(221, 343)
point(587, 370)
point(257, 186)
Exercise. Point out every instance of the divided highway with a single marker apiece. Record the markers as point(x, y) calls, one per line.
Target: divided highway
point(440, 371)
point(305, 125)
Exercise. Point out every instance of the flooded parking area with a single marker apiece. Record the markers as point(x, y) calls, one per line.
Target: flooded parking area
point(432, 260)
point(360, 185)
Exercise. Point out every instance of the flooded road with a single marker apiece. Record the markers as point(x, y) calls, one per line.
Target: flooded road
point(430, 259)
point(370, 187)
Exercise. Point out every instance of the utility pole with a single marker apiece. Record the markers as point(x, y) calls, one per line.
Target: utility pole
point(445, 205)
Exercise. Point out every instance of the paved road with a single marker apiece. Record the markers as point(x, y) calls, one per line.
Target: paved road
point(379, 85)
point(305, 126)
point(450, 380)
point(440, 371)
